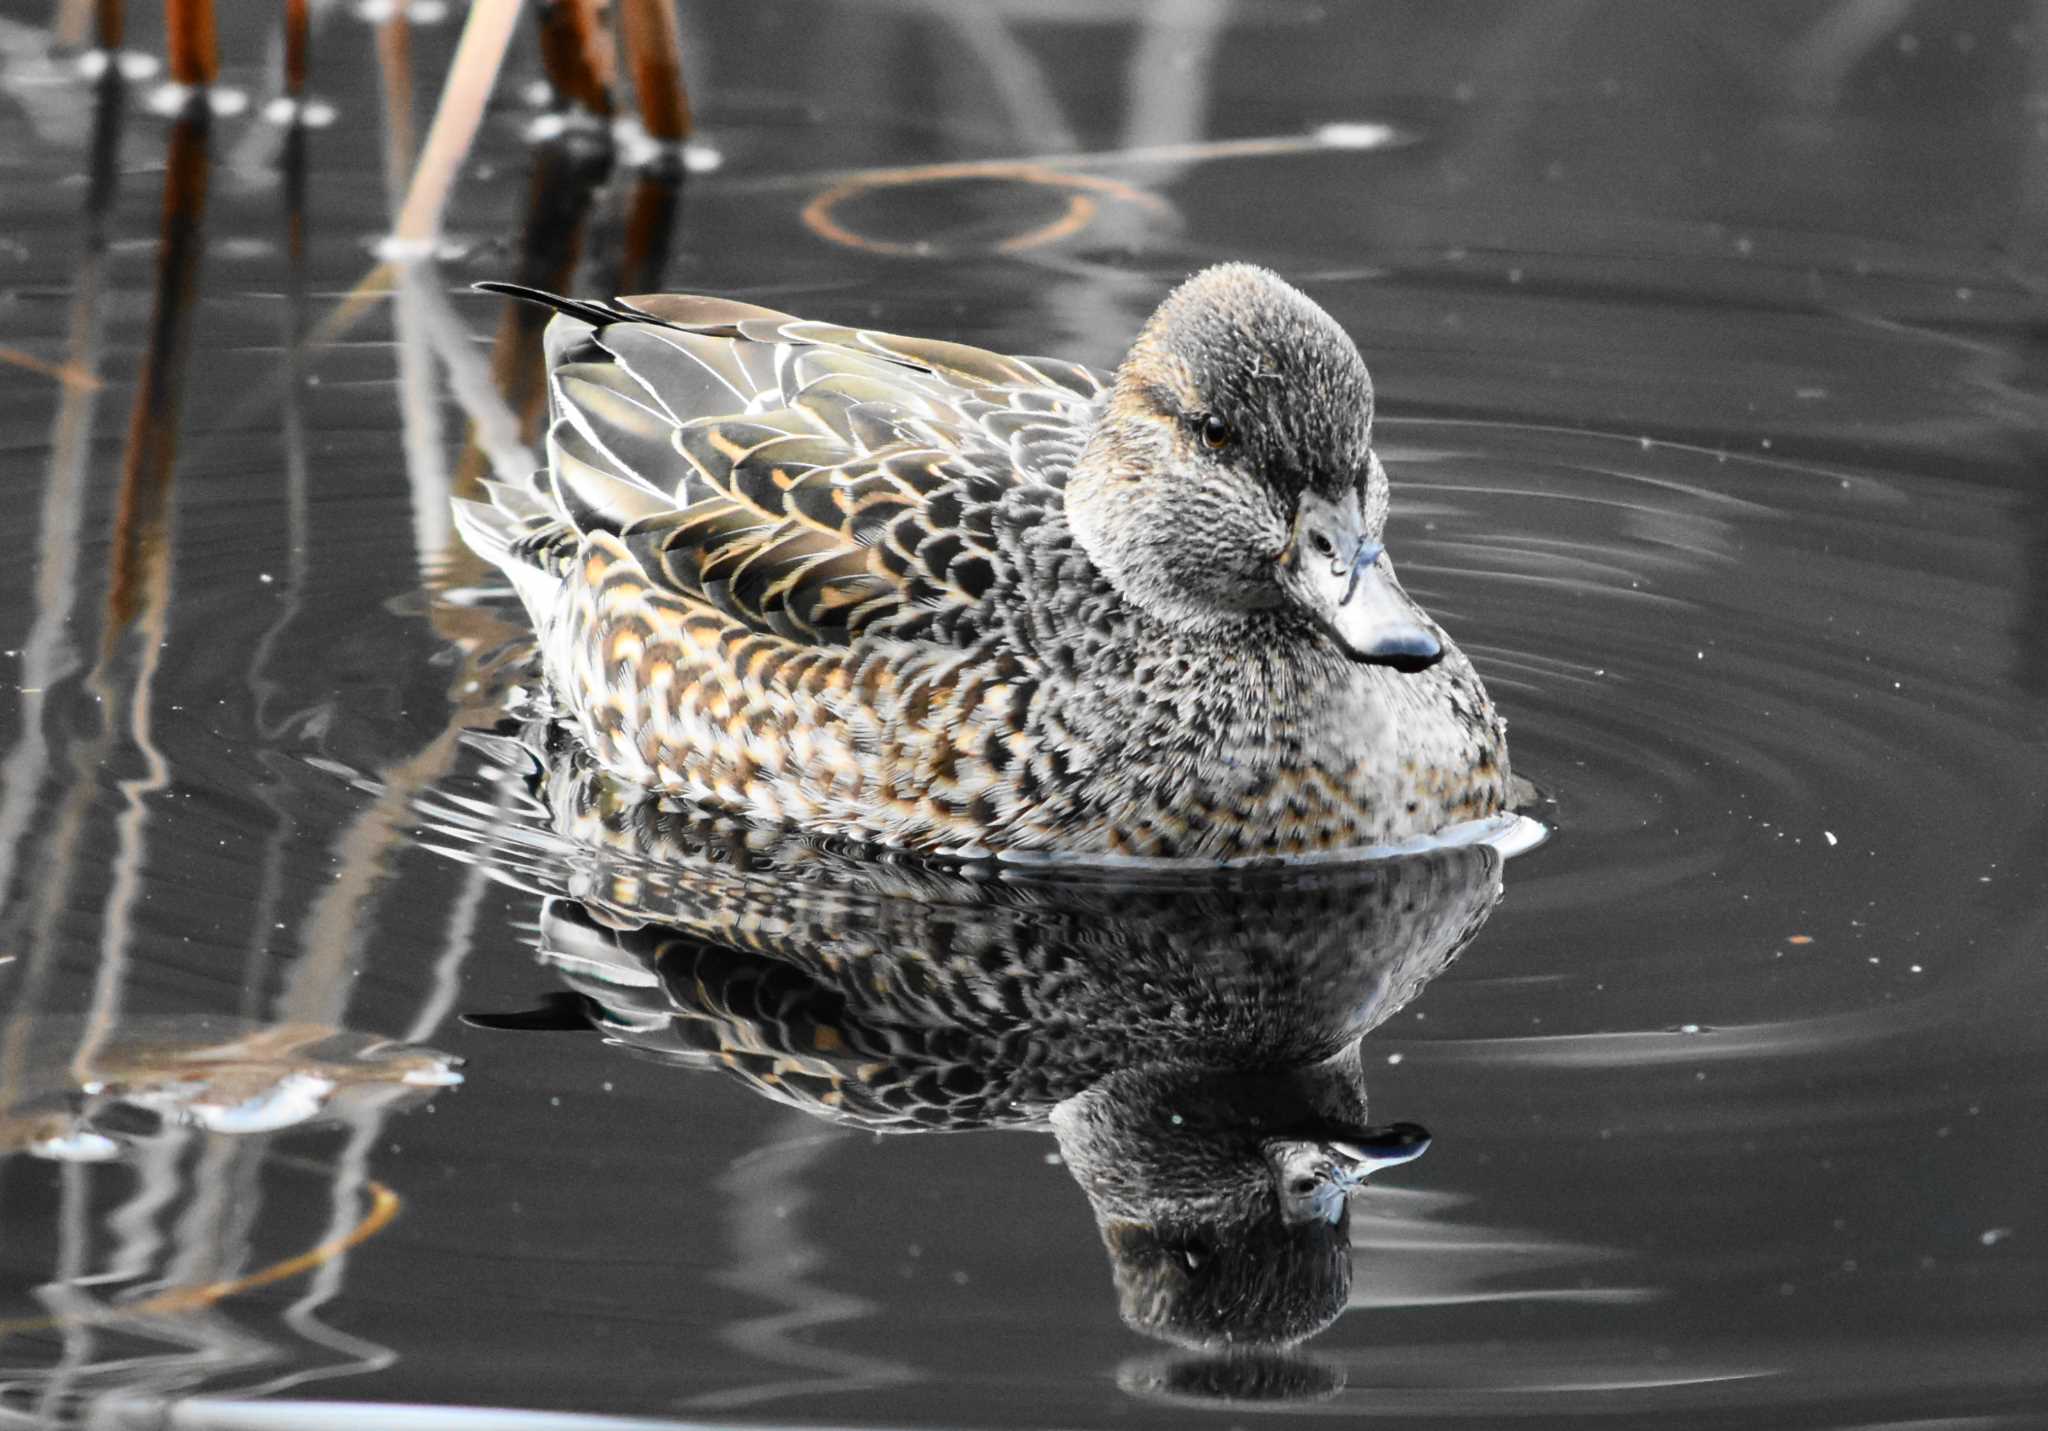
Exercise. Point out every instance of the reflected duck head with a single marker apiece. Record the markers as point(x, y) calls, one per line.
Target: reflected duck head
point(1231, 476)
point(1223, 1198)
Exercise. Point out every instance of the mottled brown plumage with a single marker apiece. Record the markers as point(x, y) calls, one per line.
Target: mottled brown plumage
point(1190, 1037)
point(920, 593)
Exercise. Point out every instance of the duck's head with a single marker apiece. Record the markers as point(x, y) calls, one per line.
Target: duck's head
point(1232, 473)
point(1223, 1196)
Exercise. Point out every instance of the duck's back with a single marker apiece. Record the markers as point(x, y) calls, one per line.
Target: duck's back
point(772, 563)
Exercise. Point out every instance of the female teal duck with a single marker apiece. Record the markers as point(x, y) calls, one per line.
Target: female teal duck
point(914, 592)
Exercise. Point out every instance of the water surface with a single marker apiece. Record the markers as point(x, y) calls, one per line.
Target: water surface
point(1708, 350)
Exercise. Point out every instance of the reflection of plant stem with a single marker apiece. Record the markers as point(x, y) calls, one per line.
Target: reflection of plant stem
point(263, 688)
point(140, 585)
point(478, 55)
point(70, 377)
point(47, 654)
point(768, 1192)
point(650, 223)
point(351, 1179)
point(152, 428)
point(654, 48)
point(559, 189)
point(384, 1206)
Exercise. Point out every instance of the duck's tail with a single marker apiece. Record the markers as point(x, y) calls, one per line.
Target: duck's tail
point(511, 532)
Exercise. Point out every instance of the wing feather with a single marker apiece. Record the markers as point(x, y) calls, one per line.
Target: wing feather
point(809, 480)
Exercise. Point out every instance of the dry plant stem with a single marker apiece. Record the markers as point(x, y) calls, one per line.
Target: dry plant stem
point(477, 57)
point(297, 22)
point(576, 50)
point(75, 19)
point(654, 48)
point(188, 31)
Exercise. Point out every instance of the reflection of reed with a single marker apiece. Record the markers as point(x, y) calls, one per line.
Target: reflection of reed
point(773, 1261)
point(47, 657)
point(265, 691)
point(140, 525)
point(192, 1215)
point(139, 588)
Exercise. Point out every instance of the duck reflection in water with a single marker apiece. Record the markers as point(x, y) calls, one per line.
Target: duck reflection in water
point(1190, 1038)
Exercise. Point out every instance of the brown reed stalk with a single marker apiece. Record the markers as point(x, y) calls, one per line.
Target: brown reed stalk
point(654, 49)
point(297, 41)
point(189, 34)
point(576, 51)
point(110, 19)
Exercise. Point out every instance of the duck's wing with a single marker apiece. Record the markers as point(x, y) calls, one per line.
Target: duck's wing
point(818, 482)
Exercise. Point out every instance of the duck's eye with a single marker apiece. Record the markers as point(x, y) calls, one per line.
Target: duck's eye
point(1320, 544)
point(1216, 433)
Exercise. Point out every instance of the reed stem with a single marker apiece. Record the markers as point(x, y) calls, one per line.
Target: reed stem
point(189, 34)
point(297, 40)
point(577, 53)
point(478, 54)
point(654, 49)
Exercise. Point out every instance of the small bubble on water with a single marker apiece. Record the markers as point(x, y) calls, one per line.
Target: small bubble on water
point(1832, 841)
point(1395, 1057)
point(1992, 1236)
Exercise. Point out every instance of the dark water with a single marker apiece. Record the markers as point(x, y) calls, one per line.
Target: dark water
point(1713, 386)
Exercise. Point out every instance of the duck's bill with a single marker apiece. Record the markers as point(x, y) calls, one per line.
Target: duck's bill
point(1373, 1150)
point(1351, 592)
point(1374, 622)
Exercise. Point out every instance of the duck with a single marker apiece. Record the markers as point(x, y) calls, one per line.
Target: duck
point(926, 596)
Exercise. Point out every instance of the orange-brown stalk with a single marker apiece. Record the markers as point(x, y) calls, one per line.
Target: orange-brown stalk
point(188, 29)
point(654, 48)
